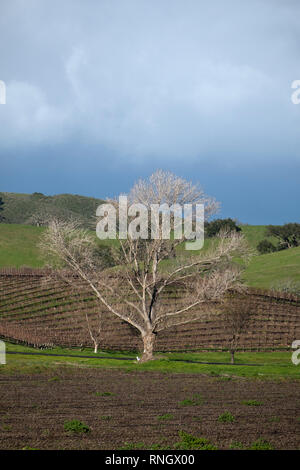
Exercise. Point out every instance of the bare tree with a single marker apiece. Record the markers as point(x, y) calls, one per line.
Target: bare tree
point(40, 219)
point(136, 291)
point(236, 317)
point(95, 333)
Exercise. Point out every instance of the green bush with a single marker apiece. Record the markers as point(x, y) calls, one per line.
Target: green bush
point(226, 417)
point(76, 426)
point(215, 226)
point(190, 442)
point(265, 246)
point(287, 234)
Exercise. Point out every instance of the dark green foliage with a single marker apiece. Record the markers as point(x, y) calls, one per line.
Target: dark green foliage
point(76, 426)
point(190, 442)
point(214, 227)
point(265, 246)
point(2, 218)
point(226, 417)
point(288, 235)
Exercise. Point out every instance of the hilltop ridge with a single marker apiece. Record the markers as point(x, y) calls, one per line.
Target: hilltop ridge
point(36, 208)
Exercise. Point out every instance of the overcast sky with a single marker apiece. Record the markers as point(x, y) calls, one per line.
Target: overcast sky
point(101, 92)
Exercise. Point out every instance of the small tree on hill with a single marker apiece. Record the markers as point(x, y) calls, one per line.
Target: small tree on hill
point(236, 318)
point(288, 235)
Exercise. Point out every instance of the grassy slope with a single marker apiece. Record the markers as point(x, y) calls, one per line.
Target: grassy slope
point(265, 270)
point(18, 247)
point(255, 234)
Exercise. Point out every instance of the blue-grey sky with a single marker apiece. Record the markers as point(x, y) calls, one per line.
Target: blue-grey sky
point(102, 92)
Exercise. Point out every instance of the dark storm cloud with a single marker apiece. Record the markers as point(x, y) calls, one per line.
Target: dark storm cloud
point(152, 78)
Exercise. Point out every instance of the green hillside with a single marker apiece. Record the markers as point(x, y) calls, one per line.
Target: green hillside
point(266, 270)
point(255, 234)
point(36, 209)
point(18, 247)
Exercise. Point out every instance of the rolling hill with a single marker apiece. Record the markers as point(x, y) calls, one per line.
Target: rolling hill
point(36, 208)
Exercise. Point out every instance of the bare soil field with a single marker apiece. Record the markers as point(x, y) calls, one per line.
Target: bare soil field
point(140, 409)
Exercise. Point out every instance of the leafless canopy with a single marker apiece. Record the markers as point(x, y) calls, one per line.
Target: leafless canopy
point(147, 277)
point(236, 315)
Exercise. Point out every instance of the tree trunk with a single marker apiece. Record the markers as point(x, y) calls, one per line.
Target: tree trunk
point(96, 347)
point(232, 356)
point(148, 340)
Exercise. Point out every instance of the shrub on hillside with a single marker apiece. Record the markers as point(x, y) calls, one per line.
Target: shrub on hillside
point(214, 227)
point(1, 209)
point(288, 235)
point(265, 246)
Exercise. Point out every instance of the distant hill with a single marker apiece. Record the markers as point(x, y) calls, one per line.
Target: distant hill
point(36, 208)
